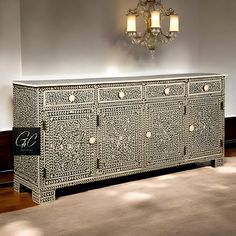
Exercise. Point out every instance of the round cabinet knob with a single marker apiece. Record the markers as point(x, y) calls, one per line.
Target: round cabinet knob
point(72, 98)
point(92, 140)
point(121, 94)
point(206, 87)
point(191, 128)
point(167, 91)
point(149, 135)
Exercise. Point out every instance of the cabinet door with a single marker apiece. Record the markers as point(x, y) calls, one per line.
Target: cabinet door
point(164, 133)
point(120, 140)
point(205, 127)
point(69, 155)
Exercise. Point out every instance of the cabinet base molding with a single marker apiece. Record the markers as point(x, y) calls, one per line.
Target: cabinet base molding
point(93, 130)
point(49, 194)
point(217, 162)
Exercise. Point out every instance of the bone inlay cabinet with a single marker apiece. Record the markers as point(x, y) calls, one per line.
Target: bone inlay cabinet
point(96, 129)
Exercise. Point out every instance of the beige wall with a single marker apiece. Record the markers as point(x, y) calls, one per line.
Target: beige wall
point(82, 38)
point(10, 57)
point(218, 44)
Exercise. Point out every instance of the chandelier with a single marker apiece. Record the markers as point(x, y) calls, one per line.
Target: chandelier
point(154, 15)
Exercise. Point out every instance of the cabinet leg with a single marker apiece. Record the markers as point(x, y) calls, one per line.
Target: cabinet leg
point(217, 162)
point(43, 196)
point(17, 186)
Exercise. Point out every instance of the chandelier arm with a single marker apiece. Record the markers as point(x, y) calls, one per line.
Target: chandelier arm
point(132, 12)
point(169, 11)
point(137, 39)
point(143, 40)
point(165, 35)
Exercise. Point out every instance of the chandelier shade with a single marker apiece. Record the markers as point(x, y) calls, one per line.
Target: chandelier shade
point(154, 14)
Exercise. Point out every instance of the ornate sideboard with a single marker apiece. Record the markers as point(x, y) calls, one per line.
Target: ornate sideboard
point(96, 129)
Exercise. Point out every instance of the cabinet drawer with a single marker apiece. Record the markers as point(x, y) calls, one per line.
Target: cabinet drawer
point(164, 90)
point(68, 97)
point(117, 94)
point(205, 87)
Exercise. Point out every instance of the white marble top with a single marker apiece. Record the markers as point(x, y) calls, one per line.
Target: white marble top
point(66, 82)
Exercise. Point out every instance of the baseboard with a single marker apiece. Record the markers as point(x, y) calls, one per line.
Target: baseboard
point(230, 131)
point(6, 158)
point(6, 179)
